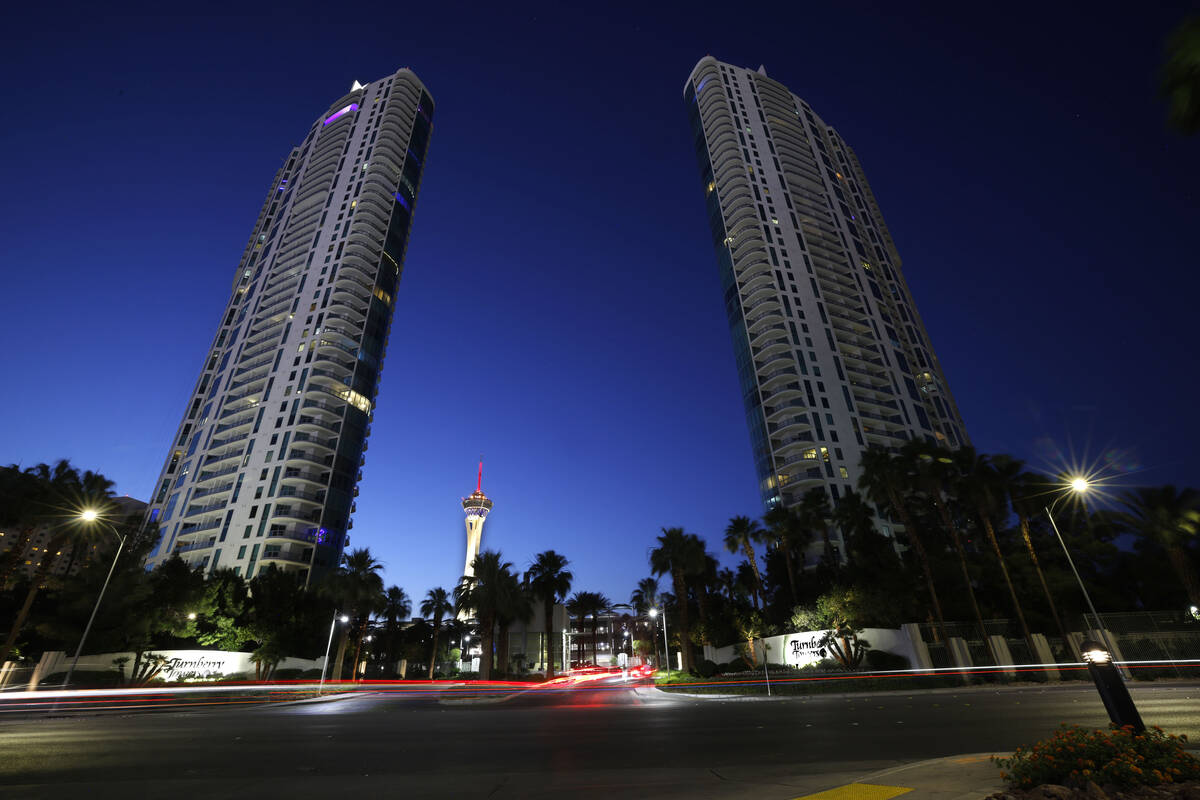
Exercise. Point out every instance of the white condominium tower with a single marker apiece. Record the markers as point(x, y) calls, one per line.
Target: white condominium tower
point(265, 465)
point(831, 353)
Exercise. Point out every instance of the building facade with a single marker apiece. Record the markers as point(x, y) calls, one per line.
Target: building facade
point(265, 464)
point(831, 353)
point(476, 508)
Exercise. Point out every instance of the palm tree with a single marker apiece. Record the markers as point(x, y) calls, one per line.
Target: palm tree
point(485, 595)
point(57, 497)
point(396, 607)
point(935, 473)
point(1170, 518)
point(980, 487)
point(884, 479)
point(678, 555)
point(1181, 77)
point(30, 499)
point(741, 534)
point(437, 604)
point(1024, 490)
point(788, 532)
point(591, 604)
point(814, 513)
point(644, 598)
point(517, 605)
point(550, 581)
point(357, 589)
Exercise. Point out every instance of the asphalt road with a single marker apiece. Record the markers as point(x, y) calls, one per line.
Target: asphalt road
point(603, 741)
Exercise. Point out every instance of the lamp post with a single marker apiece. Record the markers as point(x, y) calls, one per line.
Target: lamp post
point(1111, 687)
point(88, 516)
point(1079, 486)
point(666, 644)
point(325, 664)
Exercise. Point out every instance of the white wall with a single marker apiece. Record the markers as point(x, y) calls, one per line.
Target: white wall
point(801, 649)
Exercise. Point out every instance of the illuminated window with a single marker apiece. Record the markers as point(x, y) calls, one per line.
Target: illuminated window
point(842, 470)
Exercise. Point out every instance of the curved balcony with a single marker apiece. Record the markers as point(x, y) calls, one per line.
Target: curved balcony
point(284, 558)
point(238, 422)
point(789, 426)
point(220, 458)
point(200, 527)
point(759, 334)
point(296, 513)
point(329, 444)
point(300, 475)
point(307, 535)
point(310, 458)
point(306, 422)
point(774, 361)
point(769, 347)
point(212, 491)
point(180, 549)
point(292, 493)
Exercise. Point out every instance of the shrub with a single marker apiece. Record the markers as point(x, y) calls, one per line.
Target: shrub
point(1118, 757)
point(706, 669)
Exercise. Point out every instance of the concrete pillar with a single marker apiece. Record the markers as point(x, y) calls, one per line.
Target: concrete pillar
point(1044, 655)
point(1003, 655)
point(960, 655)
point(920, 650)
point(47, 665)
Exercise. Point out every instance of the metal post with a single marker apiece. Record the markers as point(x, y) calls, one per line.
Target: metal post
point(95, 608)
point(329, 644)
point(1079, 580)
point(666, 642)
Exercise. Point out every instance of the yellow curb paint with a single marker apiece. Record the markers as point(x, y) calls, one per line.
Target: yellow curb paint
point(858, 791)
point(972, 759)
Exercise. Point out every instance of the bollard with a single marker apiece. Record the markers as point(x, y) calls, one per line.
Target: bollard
point(1111, 687)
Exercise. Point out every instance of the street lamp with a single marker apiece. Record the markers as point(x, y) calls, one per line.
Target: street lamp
point(337, 616)
point(192, 615)
point(87, 517)
point(1111, 687)
point(666, 645)
point(1079, 485)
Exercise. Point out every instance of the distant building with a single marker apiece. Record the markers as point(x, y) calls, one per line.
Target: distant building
point(265, 465)
point(69, 560)
point(476, 507)
point(831, 352)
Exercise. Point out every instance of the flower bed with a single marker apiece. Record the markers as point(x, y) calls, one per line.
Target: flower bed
point(1077, 762)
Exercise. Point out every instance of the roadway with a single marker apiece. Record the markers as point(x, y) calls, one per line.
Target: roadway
point(602, 740)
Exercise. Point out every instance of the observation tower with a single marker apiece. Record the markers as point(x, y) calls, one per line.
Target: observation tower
point(476, 508)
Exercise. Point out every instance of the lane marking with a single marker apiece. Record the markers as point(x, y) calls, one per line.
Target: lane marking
point(858, 791)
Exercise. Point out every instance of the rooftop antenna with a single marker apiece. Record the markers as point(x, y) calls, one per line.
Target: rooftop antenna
point(479, 483)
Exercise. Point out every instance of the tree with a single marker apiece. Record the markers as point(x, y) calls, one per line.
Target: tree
point(742, 533)
point(935, 472)
point(980, 487)
point(437, 604)
point(1025, 491)
point(485, 595)
point(884, 479)
point(57, 497)
point(356, 588)
point(590, 604)
point(680, 555)
point(841, 614)
point(1180, 82)
point(814, 514)
point(1167, 517)
point(644, 598)
point(789, 534)
point(550, 581)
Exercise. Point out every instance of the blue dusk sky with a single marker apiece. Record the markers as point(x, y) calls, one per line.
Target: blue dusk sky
point(560, 309)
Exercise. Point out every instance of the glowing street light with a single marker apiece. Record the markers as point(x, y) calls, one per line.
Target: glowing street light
point(1079, 485)
point(666, 645)
point(191, 615)
point(89, 516)
point(1112, 689)
point(337, 617)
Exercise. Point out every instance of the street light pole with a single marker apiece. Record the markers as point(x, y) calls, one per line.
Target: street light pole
point(1087, 597)
point(90, 516)
point(328, 645)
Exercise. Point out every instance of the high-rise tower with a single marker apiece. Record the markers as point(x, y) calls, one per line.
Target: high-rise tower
point(830, 350)
point(265, 465)
point(476, 508)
